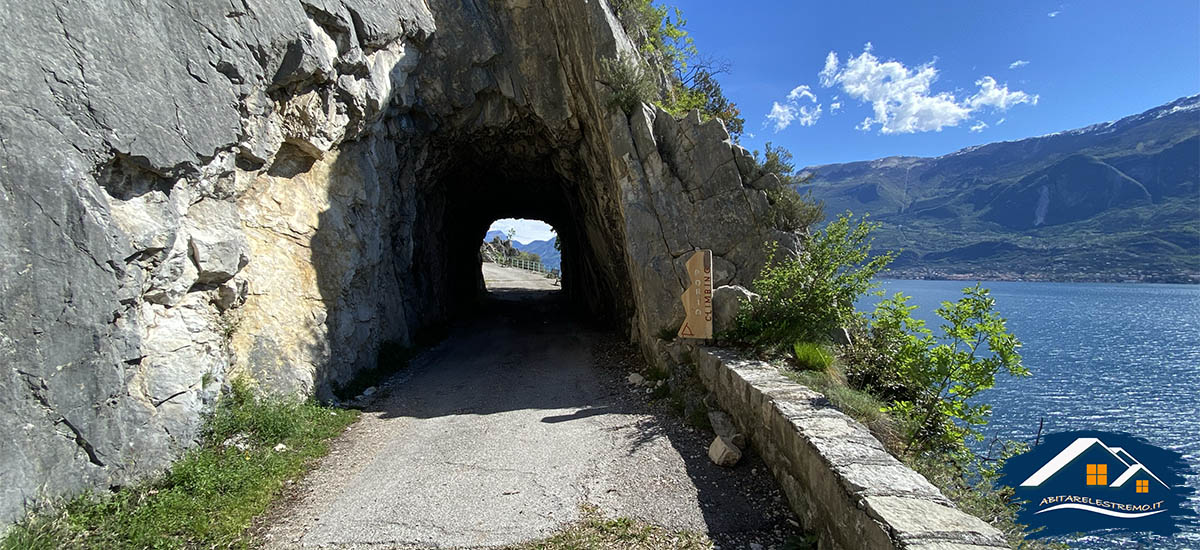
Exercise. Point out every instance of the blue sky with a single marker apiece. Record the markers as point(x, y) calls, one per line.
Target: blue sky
point(946, 75)
point(527, 231)
point(943, 75)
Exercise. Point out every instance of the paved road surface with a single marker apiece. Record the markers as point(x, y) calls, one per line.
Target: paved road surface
point(498, 435)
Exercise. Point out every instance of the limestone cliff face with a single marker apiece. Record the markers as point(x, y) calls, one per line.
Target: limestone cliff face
point(196, 191)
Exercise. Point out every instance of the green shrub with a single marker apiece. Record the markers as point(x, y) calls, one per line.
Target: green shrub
point(943, 373)
point(792, 212)
point(663, 41)
point(209, 497)
point(805, 297)
point(810, 356)
point(778, 160)
point(629, 82)
point(870, 363)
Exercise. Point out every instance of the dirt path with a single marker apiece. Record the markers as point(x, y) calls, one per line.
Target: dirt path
point(497, 435)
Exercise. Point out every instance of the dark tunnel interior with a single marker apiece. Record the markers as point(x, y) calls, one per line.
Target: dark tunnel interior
point(481, 184)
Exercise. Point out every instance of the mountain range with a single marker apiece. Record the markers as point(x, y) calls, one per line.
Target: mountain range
point(1116, 201)
point(551, 258)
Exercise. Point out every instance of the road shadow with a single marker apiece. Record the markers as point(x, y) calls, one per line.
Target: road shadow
point(526, 350)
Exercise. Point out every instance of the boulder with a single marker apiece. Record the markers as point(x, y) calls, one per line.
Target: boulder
point(727, 300)
point(723, 452)
point(723, 426)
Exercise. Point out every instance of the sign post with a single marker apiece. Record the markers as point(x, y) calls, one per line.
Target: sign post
point(697, 299)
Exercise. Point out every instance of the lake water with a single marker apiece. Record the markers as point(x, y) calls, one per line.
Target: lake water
point(1117, 357)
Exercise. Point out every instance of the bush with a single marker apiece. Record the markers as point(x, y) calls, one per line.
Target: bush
point(631, 85)
point(789, 210)
point(810, 356)
point(530, 257)
point(870, 364)
point(805, 297)
point(943, 373)
point(792, 212)
point(663, 41)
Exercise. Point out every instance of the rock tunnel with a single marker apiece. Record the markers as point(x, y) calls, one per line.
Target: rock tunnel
point(313, 181)
point(502, 179)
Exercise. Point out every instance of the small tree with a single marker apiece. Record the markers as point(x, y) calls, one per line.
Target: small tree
point(792, 212)
point(944, 373)
point(804, 298)
point(778, 161)
point(630, 83)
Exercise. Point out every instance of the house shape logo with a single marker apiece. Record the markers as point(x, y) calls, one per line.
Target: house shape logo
point(1093, 481)
point(1099, 466)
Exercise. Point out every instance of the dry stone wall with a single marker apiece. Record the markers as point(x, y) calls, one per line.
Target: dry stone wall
point(838, 478)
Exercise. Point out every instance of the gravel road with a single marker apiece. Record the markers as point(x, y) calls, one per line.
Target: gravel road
point(500, 433)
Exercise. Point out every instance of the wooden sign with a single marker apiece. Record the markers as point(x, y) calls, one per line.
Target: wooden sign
point(697, 299)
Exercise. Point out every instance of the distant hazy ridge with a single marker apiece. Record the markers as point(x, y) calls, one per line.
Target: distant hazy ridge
point(550, 257)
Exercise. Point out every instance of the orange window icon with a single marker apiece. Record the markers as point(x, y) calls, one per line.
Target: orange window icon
point(1097, 474)
point(1143, 486)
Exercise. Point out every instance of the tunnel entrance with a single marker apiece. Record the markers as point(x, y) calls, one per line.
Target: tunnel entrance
point(520, 176)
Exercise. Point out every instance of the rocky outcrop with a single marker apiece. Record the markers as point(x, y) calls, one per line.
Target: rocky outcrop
point(194, 192)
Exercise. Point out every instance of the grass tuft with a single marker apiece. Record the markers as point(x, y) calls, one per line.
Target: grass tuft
point(811, 356)
point(858, 405)
point(594, 532)
point(209, 497)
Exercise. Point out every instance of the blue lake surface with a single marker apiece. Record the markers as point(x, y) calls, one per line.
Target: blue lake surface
point(1116, 357)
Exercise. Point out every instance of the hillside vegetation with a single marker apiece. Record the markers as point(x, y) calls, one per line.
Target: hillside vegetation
point(1110, 202)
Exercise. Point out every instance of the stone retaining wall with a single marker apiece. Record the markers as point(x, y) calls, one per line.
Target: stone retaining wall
point(838, 478)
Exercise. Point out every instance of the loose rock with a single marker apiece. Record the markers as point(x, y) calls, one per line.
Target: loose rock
point(723, 452)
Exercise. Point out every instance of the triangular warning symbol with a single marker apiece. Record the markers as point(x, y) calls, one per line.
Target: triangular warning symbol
point(686, 331)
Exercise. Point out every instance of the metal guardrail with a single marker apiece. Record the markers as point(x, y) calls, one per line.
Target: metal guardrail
point(522, 263)
point(528, 265)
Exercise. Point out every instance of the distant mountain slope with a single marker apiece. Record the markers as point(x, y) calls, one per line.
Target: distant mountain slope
point(1112, 201)
point(550, 257)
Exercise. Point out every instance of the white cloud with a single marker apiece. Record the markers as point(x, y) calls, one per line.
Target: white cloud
point(903, 99)
point(979, 127)
point(1017, 64)
point(833, 107)
point(809, 115)
point(1053, 14)
point(783, 114)
point(527, 231)
point(830, 71)
point(998, 122)
point(801, 92)
point(998, 97)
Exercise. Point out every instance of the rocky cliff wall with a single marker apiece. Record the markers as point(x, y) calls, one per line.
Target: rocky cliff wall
point(200, 190)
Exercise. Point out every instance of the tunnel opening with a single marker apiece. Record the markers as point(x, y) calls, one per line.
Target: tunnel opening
point(444, 191)
point(521, 177)
point(520, 256)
